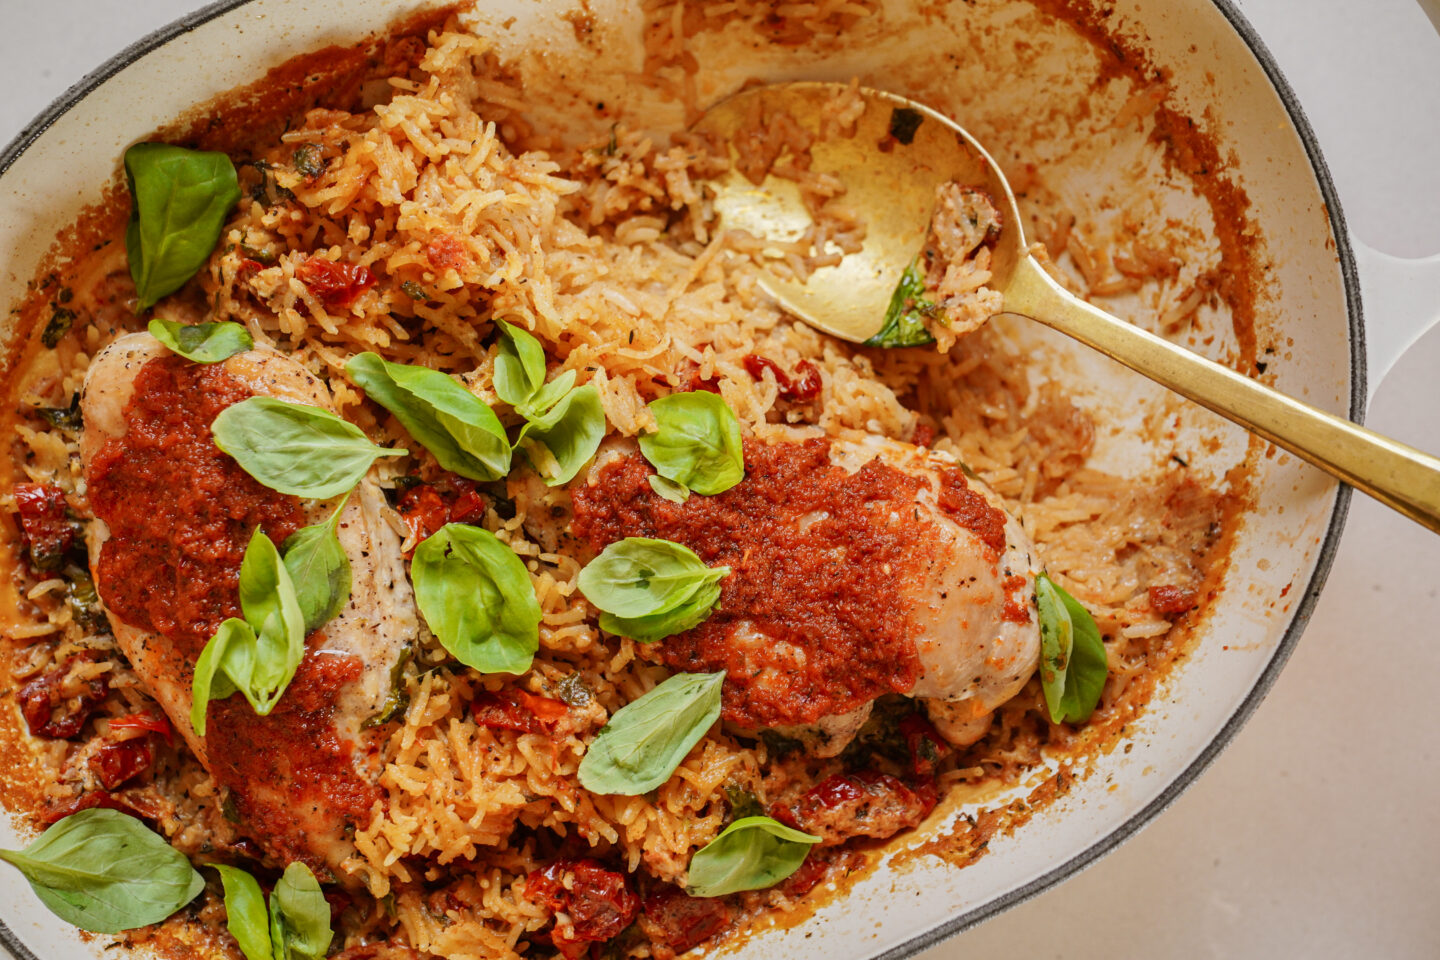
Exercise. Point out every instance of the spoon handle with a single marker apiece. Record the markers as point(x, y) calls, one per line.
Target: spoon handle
point(1397, 475)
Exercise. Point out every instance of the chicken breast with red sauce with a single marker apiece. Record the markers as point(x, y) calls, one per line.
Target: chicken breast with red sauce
point(173, 517)
point(860, 568)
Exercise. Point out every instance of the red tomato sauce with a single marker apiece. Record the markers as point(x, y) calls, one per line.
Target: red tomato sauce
point(969, 508)
point(286, 769)
point(825, 586)
point(181, 513)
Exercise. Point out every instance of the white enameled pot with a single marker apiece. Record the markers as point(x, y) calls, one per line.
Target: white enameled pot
point(1217, 64)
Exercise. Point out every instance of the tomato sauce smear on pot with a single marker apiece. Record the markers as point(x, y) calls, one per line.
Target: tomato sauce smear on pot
point(807, 625)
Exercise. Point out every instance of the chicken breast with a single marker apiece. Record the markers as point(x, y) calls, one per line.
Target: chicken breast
point(173, 516)
point(860, 567)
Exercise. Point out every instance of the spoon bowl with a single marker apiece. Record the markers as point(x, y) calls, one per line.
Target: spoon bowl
point(890, 160)
point(891, 163)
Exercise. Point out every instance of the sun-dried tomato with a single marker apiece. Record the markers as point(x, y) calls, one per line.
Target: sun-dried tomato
point(50, 711)
point(548, 712)
point(468, 506)
point(48, 532)
point(423, 511)
point(102, 799)
point(598, 902)
point(926, 746)
point(808, 877)
point(338, 285)
point(675, 922)
point(861, 804)
point(499, 713)
point(445, 252)
point(427, 507)
point(517, 710)
point(802, 387)
point(147, 722)
point(690, 379)
point(115, 764)
point(1172, 600)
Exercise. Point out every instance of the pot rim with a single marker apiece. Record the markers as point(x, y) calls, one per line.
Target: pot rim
point(1303, 609)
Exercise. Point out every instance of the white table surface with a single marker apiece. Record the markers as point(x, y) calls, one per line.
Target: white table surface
point(1317, 833)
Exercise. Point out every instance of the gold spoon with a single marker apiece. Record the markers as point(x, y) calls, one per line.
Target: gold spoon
point(893, 190)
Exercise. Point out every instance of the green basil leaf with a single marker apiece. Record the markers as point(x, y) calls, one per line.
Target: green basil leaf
point(245, 914)
point(299, 916)
point(451, 422)
point(648, 738)
point(658, 626)
point(106, 872)
point(696, 443)
point(751, 854)
point(477, 597)
point(233, 640)
point(519, 365)
point(178, 203)
point(1073, 666)
point(639, 576)
point(319, 569)
point(257, 656)
point(202, 342)
point(547, 396)
point(295, 448)
point(271, 607)
point(669, 489)
point(559, 443)
point(904, 324)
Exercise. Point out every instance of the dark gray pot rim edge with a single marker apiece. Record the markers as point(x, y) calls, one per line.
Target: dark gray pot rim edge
point(1304, 608)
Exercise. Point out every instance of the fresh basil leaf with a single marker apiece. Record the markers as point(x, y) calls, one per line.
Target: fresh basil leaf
point(647, 738)
point(319, 569)
point(904, 324)
point(669, 489)
point(257, 656)
point(519, 365)
point(658, 626)
point(179, 199)
point(296, 448)
point(751, 854)
point(271, 607)
point(697, 442)
point(202, 342)
point(245, 914)
point(1073, 666)
point(640, 576)
point(451, 422)
point(547, 396)
point(106, 872)
point(559, 443)
point(299, 916)
point(477, 597)
point(235, 641)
